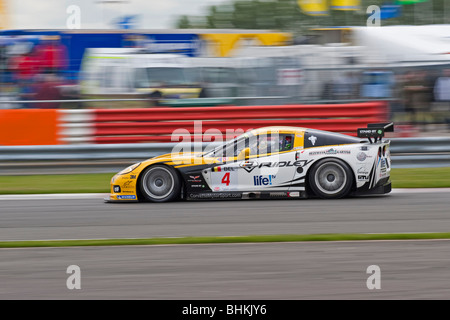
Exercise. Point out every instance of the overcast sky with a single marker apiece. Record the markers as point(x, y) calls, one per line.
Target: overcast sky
point(51, 14)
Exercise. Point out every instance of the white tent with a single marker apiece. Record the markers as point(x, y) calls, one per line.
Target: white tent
point(392, 44)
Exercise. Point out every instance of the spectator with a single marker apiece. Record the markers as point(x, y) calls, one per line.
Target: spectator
point(416, 101)
point(47, 88)
point(442, 87)
point(345, 86)
point(23, 68)
point(398, 105)
point(51, 54)
point(3, 62)
point(441, 92)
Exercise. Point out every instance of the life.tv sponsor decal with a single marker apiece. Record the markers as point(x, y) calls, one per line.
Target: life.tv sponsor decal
point(263, 180)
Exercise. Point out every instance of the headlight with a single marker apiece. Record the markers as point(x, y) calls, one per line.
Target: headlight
point(130, 168)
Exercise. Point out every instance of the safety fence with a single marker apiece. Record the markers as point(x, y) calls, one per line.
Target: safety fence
point(159, 124)
point(406, 152)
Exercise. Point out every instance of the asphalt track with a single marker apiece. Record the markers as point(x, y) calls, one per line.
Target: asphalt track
point(91, 218)
point(319, 270)
point(292, 271)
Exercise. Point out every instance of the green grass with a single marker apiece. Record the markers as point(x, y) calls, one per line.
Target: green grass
point(211, 240)
point(421, 178)
point(99, 182)
point(71, 183)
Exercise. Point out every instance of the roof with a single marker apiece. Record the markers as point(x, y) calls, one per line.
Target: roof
point(277, 129)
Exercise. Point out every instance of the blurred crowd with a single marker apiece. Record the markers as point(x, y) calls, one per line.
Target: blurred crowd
point(422, 97)
point(417, 95)
point(34, 72)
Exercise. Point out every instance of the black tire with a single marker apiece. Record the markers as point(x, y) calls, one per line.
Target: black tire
point(330, 179)
point(160, 184)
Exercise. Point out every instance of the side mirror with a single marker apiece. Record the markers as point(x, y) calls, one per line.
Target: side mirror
point(244, 154)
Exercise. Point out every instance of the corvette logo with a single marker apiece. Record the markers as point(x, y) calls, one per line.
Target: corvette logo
point(313, 140)
point(194, 179)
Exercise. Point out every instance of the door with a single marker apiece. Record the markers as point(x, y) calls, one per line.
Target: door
point(271, 165)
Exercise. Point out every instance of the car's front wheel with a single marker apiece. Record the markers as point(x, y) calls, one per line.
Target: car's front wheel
point(331, 179)
point(160, 184)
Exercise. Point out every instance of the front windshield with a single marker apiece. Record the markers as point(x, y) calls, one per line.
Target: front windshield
point(230, 148)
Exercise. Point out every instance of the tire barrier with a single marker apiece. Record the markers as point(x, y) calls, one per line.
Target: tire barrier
point(103, 126)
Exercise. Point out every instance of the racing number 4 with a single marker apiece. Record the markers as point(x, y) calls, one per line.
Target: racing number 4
point(226, 179)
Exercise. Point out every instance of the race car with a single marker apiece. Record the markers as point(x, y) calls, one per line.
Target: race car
point(269, 162)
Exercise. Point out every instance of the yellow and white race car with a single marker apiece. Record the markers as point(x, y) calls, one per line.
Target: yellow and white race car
point(270, 162)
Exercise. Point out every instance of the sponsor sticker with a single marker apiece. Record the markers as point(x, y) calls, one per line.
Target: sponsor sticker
point(383, 165)
point(363, 170)
point(194, 179)
point(263, 180)
point(249, 166)
point(361, 156)
point(127, 185)
point(329, 151)
point(116, 189)
point(278, 194)
point(210, 195)
point(222, 169)
point(363, 178)
point(127, 197)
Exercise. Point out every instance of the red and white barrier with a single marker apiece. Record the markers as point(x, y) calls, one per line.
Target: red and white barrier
point(158, 124)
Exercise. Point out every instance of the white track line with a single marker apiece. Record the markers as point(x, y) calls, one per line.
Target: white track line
point(55, 196)
point(420, 190)
point(81, 196)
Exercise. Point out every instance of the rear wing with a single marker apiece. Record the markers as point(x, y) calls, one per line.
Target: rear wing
point(375, 130)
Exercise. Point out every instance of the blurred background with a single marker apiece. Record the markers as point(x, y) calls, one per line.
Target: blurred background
point(88, 87)
point(105, 71)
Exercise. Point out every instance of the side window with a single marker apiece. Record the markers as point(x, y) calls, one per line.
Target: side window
point(272, 143)
point(286, 142)
point(259, 145)
point(319, 139)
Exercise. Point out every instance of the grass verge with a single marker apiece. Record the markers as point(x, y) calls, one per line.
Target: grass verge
point(69, 183)
point(99, 182)
point(421, 178)
point(212, 240)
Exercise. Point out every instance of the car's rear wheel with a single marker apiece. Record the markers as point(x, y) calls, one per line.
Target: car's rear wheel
point(160, 184)
point(331, 179)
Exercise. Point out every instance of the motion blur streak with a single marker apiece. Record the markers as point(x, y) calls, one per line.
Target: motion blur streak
point(289, 271)
point(92, 219)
